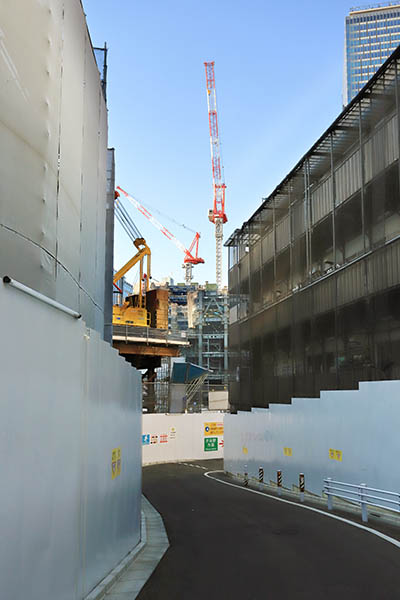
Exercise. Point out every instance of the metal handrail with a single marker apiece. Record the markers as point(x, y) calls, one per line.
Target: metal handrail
point(149, 333)
point(362, 496)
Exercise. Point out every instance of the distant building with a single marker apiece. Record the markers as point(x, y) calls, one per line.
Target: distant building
point(372, 34)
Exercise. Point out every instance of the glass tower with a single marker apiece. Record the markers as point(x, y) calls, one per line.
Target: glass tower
point(372, 34)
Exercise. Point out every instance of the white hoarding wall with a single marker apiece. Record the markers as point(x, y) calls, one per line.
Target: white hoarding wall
point(176, 437)
point(70, 438)
point(53, 144)
point(351, 436)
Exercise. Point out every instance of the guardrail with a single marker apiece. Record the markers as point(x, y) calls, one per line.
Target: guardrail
point(360, 494)
point(149, 334)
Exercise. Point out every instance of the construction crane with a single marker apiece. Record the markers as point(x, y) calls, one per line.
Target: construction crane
point(133, 311)
point(217, 214)
point(191, 254)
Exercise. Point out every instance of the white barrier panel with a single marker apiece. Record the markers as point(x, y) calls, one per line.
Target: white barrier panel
point(70, 438)
point(176, 437)
point(351, 436)
point(53, 145)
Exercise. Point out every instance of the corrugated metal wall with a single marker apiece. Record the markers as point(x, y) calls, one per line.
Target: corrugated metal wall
point(53, 143)
point(67, 401)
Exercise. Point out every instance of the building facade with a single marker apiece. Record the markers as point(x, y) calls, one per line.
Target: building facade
point(314, 274)
point(371, 35)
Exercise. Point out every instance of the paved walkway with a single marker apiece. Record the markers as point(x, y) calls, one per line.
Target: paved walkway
point(229, 543)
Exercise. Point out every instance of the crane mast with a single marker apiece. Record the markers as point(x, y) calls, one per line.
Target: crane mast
point(217, 214)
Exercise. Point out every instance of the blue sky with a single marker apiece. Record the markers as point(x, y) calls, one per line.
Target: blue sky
point(279, 85)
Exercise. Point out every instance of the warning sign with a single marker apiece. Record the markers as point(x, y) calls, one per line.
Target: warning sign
point(287, 451)
point(335, 454)
point(115, 462)
point(172, 433)
point(213, 429)
point(154, 439)
point(210, 444)
point(146, 439)
point(163, 438)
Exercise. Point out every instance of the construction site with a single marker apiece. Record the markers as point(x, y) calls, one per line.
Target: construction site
point(158, 326)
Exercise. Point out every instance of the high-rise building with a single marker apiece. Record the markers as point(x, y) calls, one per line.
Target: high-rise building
point(372, 34)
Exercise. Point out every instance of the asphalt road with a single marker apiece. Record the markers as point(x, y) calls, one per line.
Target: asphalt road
point(227, 543)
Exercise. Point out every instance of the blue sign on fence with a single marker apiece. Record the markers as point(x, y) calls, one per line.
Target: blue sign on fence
point(145, 439)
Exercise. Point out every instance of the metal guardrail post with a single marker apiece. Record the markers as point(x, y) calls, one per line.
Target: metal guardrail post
point(328, 493)
point(363, 502)
point(246, 477)
point(301, 486)
point(279, 481)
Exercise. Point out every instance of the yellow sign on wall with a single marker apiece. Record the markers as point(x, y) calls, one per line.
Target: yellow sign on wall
point(287, 451)
point(213, 429)
point(335, 454)
point(115, 462)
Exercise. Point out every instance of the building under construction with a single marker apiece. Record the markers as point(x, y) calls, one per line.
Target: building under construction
point(314, 274)
point(202, 312)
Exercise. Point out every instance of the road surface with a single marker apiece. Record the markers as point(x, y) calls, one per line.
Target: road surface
point(227, 543)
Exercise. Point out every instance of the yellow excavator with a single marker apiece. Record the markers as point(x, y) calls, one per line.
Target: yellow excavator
point(133, 311)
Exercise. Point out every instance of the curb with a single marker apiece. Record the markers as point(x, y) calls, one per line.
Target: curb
point(106, 584)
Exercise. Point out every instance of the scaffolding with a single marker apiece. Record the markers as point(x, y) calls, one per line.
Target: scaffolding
point(203, 312)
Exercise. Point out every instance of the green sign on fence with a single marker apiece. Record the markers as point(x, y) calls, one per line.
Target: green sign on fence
point(210, 444)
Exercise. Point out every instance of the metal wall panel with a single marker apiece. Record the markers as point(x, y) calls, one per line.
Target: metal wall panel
point(268, 245)
point(298, 219)
point(348, 178)
point(381, 149)
point(282, 233)
point(321, 200)
point(67, 522)
point(351, 284)
point(312, 426)
point(53, 142)
point(180, 437)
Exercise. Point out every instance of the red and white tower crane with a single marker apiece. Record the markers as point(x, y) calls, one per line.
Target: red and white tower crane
point(217, 214)
point(189, 261)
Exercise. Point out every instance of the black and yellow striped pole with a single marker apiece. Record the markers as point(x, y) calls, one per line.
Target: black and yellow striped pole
point(302, 486)
point(261, 475)
point(246, 477)
point(279, 482)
